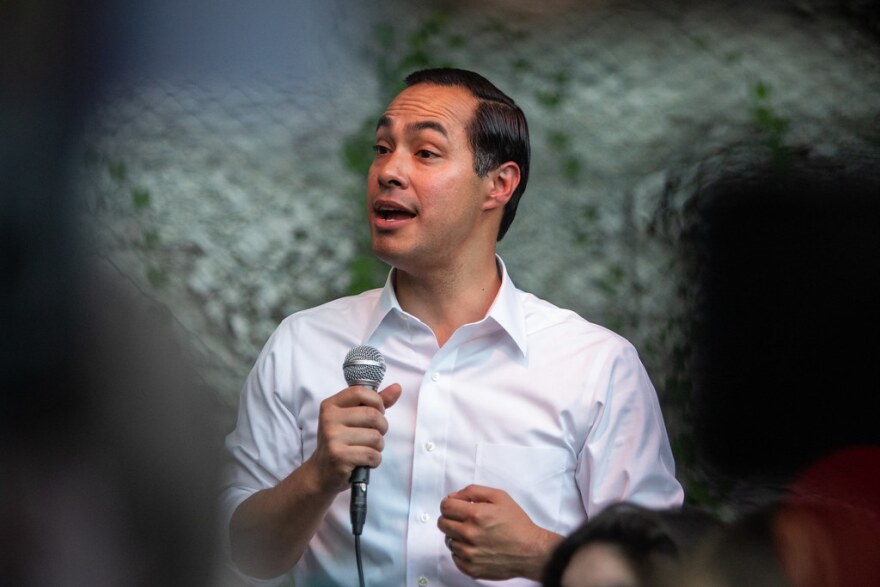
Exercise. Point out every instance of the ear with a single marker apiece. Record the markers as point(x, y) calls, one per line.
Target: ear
point(503, 181)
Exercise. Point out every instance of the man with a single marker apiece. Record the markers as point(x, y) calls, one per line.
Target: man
point(508, 421)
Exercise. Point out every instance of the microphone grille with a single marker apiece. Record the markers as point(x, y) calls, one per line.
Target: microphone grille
point(364, 365)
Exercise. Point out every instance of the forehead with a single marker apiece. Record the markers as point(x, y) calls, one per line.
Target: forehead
point(599, 564)
point(451, 106)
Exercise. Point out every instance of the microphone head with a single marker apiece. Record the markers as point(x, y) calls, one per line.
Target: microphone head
point(364, 365)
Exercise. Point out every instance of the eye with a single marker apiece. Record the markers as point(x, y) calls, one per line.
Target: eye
point(426, 154)
point(381, 150)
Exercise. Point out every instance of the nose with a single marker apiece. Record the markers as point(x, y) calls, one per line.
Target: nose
point(390, 171)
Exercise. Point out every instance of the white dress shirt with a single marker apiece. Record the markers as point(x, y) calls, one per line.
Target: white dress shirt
point(532, 399)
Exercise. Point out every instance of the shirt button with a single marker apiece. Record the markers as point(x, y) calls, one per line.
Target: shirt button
point(424, 517)
point(435, 376)
point(429, 446)
point(423, 581)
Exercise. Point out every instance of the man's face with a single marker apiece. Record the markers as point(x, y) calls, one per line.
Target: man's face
point(424, 198)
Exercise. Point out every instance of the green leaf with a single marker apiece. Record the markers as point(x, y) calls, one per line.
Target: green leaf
point(367, 272)
point(151, 238)
point(683, 448)
point(558, 140)
point(521, 65)
point(561, 78)
point(571, 169)
point(157, 276)
point(140, 197)
point(549, 98)
point(733, 56)
point(591, 213)
point(356, 154)
point(117, 170)
point(455, 41)
point(610, 283)
point(701, 42)
point(761, 91)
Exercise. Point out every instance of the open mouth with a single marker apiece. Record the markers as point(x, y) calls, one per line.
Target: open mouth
point(391, 212)
point(386, 214)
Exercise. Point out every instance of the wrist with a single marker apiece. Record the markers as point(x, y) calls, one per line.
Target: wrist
point(544, 544)
point(311, 483)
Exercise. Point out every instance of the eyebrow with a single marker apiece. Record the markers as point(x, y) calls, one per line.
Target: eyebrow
point(385, 122)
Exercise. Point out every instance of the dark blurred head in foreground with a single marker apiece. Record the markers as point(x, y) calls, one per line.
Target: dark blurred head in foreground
point(106, 449)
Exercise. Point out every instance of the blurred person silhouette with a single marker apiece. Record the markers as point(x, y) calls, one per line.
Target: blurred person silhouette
point(627, 545)
point(787, 278)
point(824, 532)
point(827, 528)
point(785, 378)
point(108, 452)
point(743, 553)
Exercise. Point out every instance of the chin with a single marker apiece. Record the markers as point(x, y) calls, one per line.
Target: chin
point(385, 253)
point(402, 260)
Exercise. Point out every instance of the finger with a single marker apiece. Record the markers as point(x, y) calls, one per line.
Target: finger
point(462, 565)
point(367, 437)
point(363, 456)
point(461, 560)
point(359, 395)
point(452, 508)
point(455, 530)
point(391, 394)
point(363, 417)
point(350, 444)
point(335, 420)
point(342, 456)
point(458, 549)
point(353, 396)
point(478, 493)
point(458, 546)
point(355, 456)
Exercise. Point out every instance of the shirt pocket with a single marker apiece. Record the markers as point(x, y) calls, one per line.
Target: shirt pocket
point(532, 475)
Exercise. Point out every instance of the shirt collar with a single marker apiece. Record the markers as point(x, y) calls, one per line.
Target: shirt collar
point(505, 310)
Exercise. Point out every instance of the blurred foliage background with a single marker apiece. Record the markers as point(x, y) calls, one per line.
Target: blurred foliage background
point(221, 166)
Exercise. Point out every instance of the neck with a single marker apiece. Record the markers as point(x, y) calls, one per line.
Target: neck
point(449, 298)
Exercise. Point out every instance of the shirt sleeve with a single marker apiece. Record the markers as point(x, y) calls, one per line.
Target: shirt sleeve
point(266, 444)
point(627, 456)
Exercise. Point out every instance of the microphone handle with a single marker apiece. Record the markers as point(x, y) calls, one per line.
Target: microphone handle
point(360, 475)
point(360, 479)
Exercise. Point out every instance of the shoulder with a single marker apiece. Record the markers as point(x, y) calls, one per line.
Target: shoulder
point(315, 339)
point(544, 319)
point(345, 314)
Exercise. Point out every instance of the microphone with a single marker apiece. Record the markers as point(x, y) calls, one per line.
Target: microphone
point(365, 366)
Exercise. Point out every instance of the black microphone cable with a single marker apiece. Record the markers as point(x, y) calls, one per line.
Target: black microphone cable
point(360, 564)
point(360, 478)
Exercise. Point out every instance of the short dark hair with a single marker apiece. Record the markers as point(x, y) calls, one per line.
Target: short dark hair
point(498, 132)
point(652, 541)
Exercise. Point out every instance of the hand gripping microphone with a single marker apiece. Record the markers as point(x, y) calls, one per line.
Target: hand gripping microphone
point(364, 365)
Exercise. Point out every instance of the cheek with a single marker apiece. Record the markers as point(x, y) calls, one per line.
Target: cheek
point(372, 175)
point(458, 193)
